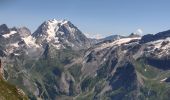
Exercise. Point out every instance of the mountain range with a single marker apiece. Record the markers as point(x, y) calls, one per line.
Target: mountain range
point(58, 62)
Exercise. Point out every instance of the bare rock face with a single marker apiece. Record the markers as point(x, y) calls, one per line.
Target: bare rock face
point(66, 82)
point(4, 29)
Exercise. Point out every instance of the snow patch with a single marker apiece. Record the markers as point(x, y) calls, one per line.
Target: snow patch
point(52, 28)
point(159, 47)
point(9, 34)
point(11, 47)
point(104, 59)
point(117, 42)
point(57, 46)
point(16, 54)
point(30, 42)
point(56, 40)
point(14, 45)
point(164, 79)
point(145, 69)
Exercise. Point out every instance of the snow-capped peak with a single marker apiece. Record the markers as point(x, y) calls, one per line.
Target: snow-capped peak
point(49, 29)
point(54, 21)
point(52, 27)
point(60, 32)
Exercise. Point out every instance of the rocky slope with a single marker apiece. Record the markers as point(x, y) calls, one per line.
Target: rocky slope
point(58, 62)
point(8, 91)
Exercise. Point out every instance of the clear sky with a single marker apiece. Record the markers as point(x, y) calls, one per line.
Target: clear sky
point(93, 17)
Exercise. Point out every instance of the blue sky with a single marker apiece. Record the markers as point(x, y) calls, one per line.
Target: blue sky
point(101, 17)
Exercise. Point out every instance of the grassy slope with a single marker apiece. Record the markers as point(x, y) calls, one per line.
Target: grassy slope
point(10, 92)
point(152, 88)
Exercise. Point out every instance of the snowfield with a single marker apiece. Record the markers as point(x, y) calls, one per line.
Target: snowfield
point(30, 42)
point(117, 43)
point(159, 47)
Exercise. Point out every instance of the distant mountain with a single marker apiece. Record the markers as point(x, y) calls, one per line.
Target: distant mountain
point(61, 34)
point(59, 62)
point(151, 37)
point(111, 38)
point(114, 38)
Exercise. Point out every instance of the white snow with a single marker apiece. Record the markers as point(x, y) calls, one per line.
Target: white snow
point(11, 47)
point(9, 34)
point(51, 31)
point(54, 21)
point(164, 79)
point(157, 45)
point(71, 30)
point(56, 40)
point(30, 42)
point(63, 22)
point(61, 33)
point(52, 28)
point(116, 42)
point(145, 69)
point(57, 46)
point(16, 54)
point(14, 45)
point(95, 75)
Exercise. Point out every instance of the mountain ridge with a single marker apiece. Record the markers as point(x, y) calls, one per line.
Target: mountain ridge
point(125, 68)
